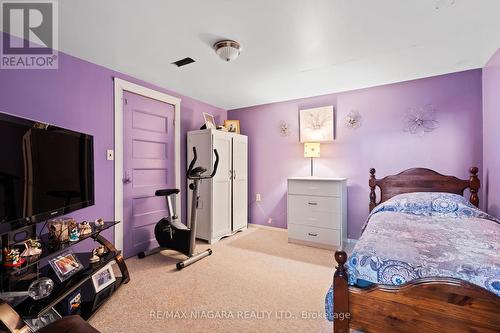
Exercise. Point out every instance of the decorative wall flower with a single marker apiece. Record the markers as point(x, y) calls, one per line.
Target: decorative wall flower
point(284, 129)
point(421, 120)
point(353, 120)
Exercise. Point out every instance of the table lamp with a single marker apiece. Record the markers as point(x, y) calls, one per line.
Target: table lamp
point(312, 150)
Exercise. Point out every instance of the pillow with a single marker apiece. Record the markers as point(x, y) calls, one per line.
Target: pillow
point(432, 204)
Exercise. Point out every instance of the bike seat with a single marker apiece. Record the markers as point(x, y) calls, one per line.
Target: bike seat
point(165, 192)
point(197, 172)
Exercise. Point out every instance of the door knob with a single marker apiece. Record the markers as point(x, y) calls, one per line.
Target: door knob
point(127, 178)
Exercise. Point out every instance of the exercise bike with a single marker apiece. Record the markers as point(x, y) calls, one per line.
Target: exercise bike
point(171, 233)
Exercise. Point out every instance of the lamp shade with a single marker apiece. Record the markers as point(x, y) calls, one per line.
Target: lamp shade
point(312, 149)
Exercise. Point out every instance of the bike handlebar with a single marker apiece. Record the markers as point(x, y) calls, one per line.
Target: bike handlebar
point(216, 164)
point(193, 161)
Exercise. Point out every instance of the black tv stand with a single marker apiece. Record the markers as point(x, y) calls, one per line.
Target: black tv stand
point(12, 315)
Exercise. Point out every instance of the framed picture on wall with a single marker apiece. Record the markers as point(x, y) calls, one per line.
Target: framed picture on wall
point(316, 125)
point(232, 126)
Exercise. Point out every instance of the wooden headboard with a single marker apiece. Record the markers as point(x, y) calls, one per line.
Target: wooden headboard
point(422, 180)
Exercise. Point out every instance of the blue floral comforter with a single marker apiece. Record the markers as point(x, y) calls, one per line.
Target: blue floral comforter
point(426, 234)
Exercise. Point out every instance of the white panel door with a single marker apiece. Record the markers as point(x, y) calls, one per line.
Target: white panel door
point(240, 182)
point(221, 186)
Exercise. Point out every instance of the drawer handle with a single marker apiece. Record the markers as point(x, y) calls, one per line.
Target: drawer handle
point(312, 203)
point(312, 234)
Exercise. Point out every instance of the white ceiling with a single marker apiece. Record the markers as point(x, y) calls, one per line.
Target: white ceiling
point(292, 48)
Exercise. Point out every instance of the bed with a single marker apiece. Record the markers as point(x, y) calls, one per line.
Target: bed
point(428, 260)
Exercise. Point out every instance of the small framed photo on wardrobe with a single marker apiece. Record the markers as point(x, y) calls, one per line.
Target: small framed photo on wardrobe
point(232, 126)
point(209, 120)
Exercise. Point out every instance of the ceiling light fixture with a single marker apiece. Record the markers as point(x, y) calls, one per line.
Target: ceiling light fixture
point(227, 50)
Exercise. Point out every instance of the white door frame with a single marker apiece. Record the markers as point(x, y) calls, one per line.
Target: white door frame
point(121, 86)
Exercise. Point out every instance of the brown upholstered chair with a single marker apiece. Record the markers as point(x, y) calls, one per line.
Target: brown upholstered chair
point(70, 324)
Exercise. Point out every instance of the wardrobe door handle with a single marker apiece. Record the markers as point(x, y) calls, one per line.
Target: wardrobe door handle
point(312, 203)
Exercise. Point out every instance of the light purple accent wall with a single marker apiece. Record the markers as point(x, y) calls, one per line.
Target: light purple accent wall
point(380, 142)
point(491, 134)
point(79, 96)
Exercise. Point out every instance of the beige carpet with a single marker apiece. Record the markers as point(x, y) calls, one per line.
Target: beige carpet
point(253, 282)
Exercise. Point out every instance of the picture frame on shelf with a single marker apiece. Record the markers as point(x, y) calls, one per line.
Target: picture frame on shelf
point(233, 126)
point(65, 265)
point(72, 303)
point(209, 120)
point(103, 277)
point(47, 318)
point(101, 296)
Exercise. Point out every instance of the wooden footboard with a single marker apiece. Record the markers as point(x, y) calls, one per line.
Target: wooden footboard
point(423, 305)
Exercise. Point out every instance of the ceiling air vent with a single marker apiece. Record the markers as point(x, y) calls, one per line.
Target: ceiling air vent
point(183, 62)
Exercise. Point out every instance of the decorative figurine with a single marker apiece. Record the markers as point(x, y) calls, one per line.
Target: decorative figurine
point(85, 228)
point(12, 257)
point(100, 251)
point(95, 258)
point(32, 248)
point(74, 235)
point(99, 222)
point(59, 229)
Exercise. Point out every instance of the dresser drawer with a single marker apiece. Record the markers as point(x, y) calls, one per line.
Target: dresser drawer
point(314, 187)
point(321, 212)
point(312, 234)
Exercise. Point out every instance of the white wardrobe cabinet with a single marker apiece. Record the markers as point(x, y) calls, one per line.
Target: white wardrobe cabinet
point(223, 203)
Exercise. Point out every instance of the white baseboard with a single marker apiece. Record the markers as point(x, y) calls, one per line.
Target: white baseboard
point(268, 227)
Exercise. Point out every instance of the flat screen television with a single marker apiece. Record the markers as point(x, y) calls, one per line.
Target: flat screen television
point(45, 171)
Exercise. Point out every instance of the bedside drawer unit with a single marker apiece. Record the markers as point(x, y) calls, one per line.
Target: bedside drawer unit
point(314, 187)
point(317, 211)
point(314, 236)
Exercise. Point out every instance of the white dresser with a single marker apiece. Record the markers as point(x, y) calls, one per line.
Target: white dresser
point(317, 211)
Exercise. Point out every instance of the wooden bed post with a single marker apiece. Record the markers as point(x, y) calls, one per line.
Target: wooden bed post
point(373, 183)
point(340, 295)
point(474, 185)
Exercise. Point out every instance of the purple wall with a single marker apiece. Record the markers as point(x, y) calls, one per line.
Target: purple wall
point(79, 96)
point(380, 142)
point(491, 135)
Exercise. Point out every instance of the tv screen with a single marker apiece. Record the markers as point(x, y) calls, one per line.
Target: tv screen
point(45, 171)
